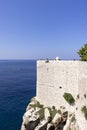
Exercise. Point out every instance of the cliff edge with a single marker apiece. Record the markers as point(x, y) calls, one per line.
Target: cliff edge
point(40, 117)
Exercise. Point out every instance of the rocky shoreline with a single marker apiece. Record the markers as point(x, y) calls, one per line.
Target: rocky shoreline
point(40, 117)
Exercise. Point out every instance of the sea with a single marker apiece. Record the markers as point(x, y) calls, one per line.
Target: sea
point(17, 87)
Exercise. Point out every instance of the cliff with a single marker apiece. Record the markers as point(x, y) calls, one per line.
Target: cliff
point(39, 117)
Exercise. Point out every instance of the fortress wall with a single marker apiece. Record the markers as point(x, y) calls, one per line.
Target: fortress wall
point(57, 77)
point(82, 89)
point(83, 81)
point(45, 82)
point(54, 79)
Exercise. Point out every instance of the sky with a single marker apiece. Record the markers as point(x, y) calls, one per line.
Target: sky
point(39, 29)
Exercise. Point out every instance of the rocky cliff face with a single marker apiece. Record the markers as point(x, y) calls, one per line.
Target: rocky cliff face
point(39, 117)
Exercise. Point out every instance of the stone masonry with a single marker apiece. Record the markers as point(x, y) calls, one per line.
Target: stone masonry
point(56, 77)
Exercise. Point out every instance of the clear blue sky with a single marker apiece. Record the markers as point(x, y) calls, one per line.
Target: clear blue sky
point(34, 29)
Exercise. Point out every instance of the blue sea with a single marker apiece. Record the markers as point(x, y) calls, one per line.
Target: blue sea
point(17, 87)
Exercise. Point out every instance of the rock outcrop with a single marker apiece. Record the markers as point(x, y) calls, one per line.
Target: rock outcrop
point(38, 117)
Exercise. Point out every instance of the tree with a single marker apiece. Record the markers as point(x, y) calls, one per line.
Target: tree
point(83, 53)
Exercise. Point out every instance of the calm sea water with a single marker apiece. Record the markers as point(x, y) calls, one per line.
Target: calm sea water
point(17, 87)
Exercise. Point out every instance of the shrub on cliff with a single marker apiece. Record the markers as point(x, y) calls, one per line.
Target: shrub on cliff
point(36, 104)
point(69, 98)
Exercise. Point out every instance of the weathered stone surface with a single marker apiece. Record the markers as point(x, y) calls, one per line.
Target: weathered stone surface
point(50, 126)
point(31, 118)
point(31, 124)
point(64, 116)
point(23, 127)
point(25, 121)
point(68, 122)
point(62, 121)
point(42, 125)
point(36, 110)
point(57, 118)
point(29, 112)
point(47, 115)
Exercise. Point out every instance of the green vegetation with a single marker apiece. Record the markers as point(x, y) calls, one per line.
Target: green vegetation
point(59, 111)
point(53, 107)
point(69, 128)
point(41, 113)
point(47, 60)
point(83, 53)
point(52, 112)
point(32, 99)
point(69, 98)
point(73, 119)
point(84, 110)
point(37, 104)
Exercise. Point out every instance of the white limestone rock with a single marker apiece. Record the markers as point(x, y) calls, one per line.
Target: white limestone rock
point(42, 125)
point(47, 114)
point(50, 126)
point(23, 127)
point(57, 118)
point(29, 123)
point(29, 112)
point(68, 122)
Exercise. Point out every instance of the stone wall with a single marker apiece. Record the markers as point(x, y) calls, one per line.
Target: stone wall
point(57, 77)
point(54, 79)
point(82, 91)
